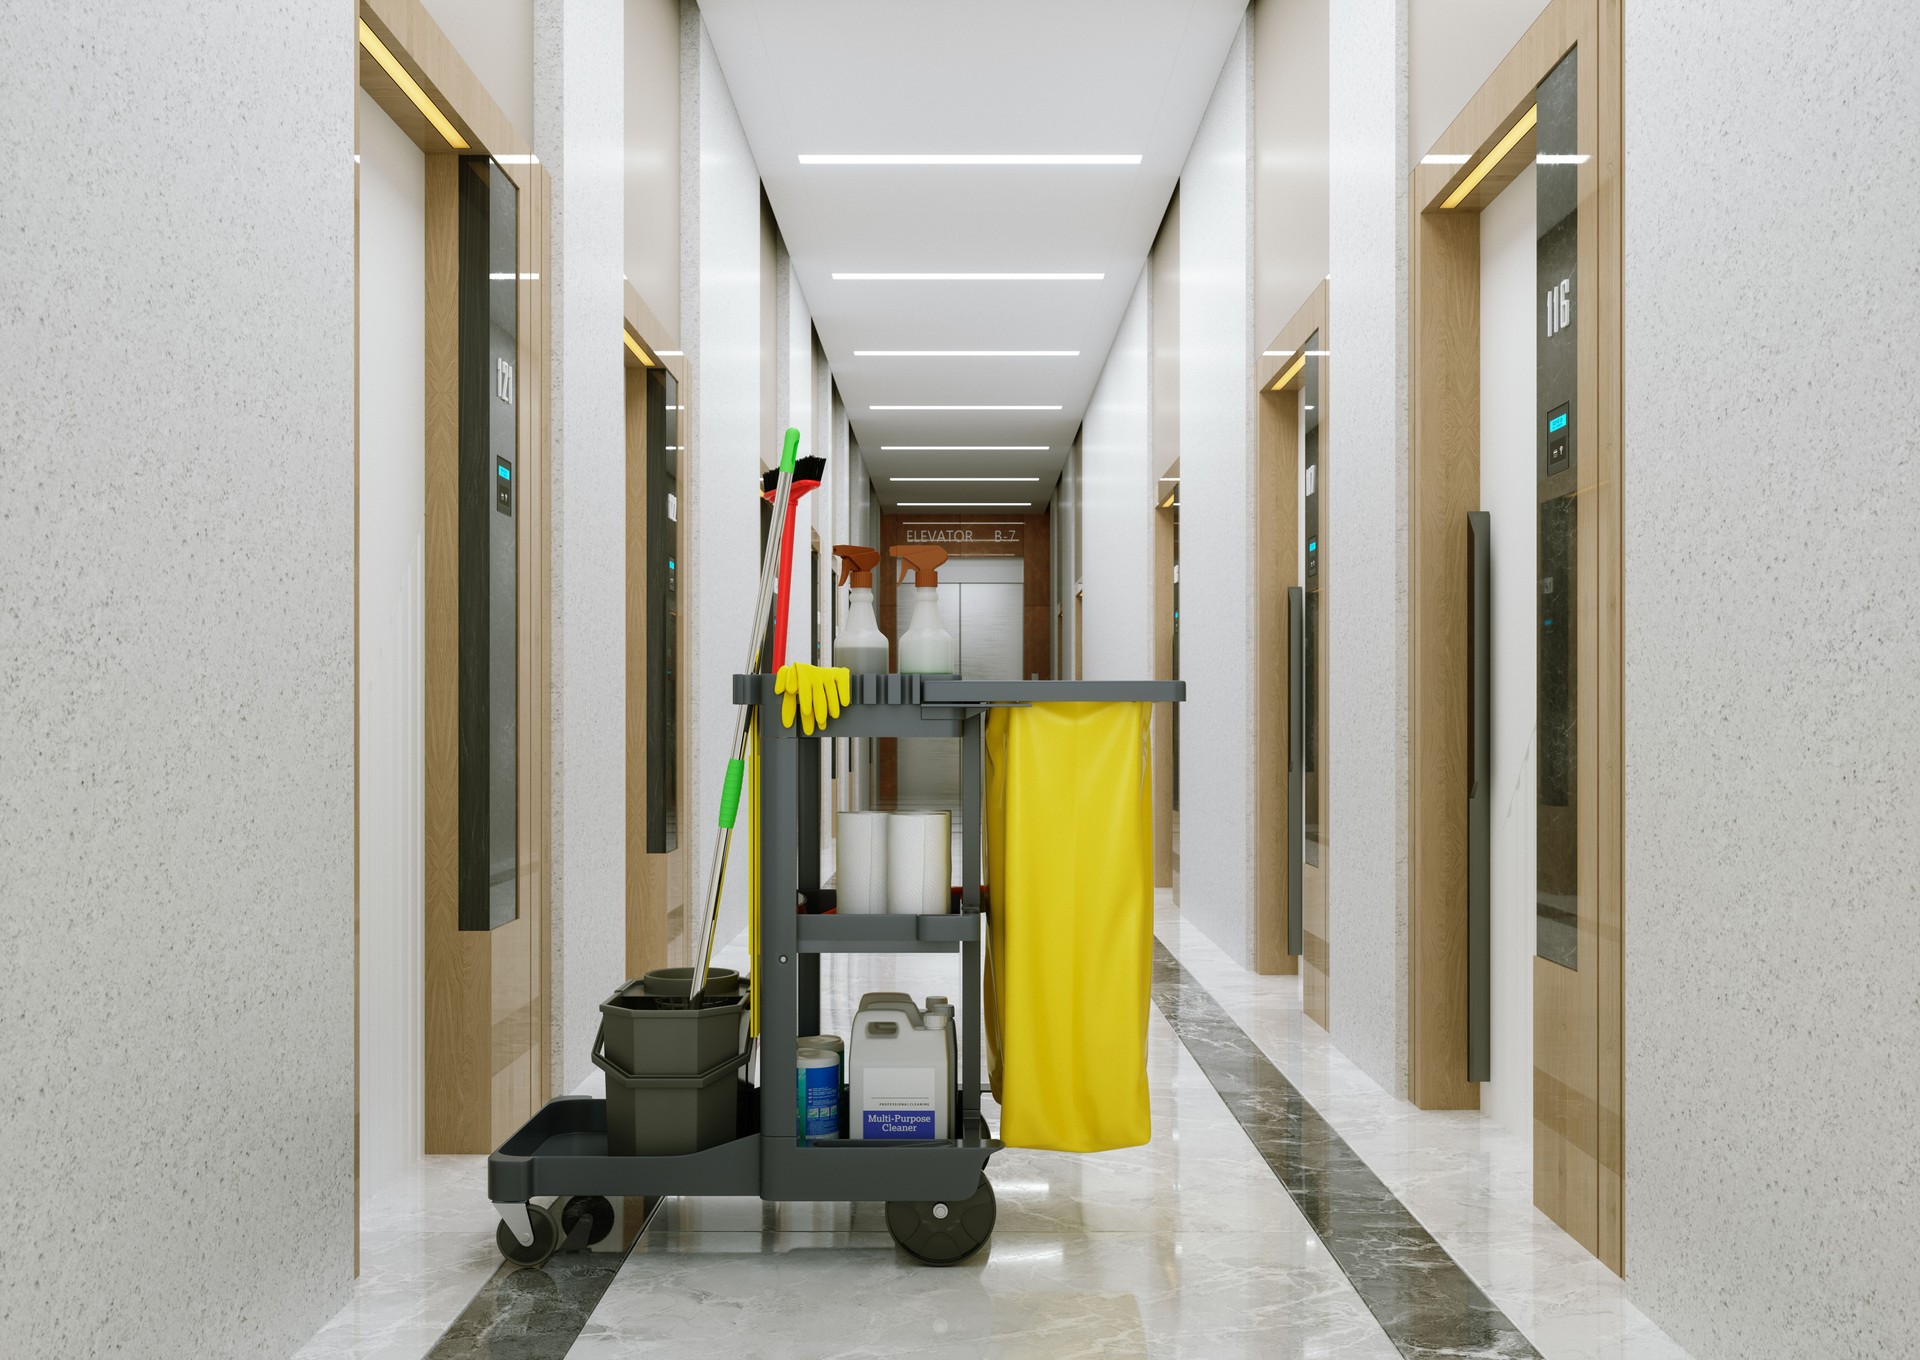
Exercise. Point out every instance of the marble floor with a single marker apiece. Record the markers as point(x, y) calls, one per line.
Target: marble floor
point(1190, 1245)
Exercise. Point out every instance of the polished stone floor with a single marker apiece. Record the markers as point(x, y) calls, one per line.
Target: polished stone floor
point(1195, 1244)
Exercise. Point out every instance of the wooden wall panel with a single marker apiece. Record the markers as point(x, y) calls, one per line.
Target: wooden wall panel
point(1276, 530)
point(1605, 77)
point(1443, 484)
point(486, 1058)
point(1579, 1129)
point(458, 1057)
point(410, 33)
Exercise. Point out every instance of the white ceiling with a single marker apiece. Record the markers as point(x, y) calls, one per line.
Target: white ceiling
point(995, 76)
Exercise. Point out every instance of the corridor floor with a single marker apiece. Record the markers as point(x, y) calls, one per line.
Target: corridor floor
point(1286, 1206)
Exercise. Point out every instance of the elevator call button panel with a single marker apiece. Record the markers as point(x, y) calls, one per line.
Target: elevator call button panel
point(1559, 439)
point(503, 486)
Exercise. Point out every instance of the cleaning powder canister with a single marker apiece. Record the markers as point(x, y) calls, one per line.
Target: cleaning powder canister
point(817, 1092)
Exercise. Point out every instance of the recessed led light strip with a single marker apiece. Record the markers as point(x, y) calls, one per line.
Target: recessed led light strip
point(1494, 157)
point(966, 354)
point(963, 408)
point(645, 358)
point(964, 448)
point(971, 278)
point(984, 159)
point(410, 87)
point(966, 505)
point(1287, 377)
point(963, 479)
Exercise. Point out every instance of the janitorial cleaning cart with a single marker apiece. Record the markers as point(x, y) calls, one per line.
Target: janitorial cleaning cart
point(746, 1138)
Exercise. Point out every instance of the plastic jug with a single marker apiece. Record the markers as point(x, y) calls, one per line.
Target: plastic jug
point(900, 1078)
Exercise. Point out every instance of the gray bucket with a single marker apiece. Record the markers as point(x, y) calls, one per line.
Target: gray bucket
point(671, 1116)
point(661, 1036)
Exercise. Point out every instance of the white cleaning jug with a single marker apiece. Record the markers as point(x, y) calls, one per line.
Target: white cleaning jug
point(900, 1080)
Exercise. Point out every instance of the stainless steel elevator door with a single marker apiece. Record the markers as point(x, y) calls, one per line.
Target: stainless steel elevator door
point(983, 604)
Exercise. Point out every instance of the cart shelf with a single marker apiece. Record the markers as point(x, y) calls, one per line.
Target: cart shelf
point(886, 934)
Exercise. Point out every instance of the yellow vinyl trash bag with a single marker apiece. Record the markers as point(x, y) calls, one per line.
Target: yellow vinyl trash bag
point(1070, 929)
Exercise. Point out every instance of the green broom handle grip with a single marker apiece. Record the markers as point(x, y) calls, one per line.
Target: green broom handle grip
point(789, 450)
point(730, 792)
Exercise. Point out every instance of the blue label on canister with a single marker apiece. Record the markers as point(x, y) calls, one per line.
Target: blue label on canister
point(897, 1124)
point(817, 1093)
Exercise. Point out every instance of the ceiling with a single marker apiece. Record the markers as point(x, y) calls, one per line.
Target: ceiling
point(1025, 77)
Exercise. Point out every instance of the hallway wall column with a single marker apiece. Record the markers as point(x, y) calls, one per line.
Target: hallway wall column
point(1117, 515)
point(1772, 636)
point(579, 130)
point(720, 328)
point(1367, 536)
point(1216, 493)
point(177, 707)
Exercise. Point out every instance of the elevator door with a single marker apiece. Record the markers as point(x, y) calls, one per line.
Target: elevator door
point(1509, 495)
point(982, 603)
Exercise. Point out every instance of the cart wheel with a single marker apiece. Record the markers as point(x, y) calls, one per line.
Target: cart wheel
point(585, 1220)
point(943, 1232)
point(546, 1236)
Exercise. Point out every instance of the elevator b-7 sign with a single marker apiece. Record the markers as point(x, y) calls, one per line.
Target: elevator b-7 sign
point(1000, 531)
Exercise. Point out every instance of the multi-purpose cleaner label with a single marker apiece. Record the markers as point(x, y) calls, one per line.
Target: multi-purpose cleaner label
point(897, 1103)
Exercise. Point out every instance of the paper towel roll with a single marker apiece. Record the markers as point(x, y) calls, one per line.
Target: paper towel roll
point(862, 863)
point(919, 863)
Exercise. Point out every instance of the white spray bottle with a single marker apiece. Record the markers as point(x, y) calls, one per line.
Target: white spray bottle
point(860, 646)
point(926, 648)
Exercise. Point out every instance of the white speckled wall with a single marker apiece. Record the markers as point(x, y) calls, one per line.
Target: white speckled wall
point(176, 678)
point(1216, 493)
point(1772, 644)
point(653, 156)
point(1366, 541)
point(793, 406)
point(579, 133)
point(1116, 517)
point(720, 535)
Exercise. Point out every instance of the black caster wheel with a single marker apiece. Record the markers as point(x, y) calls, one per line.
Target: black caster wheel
point(943, 1232)
point(546, 1237)
point(585, 1221)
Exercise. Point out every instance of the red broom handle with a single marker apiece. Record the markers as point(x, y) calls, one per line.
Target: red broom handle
point(785, 586)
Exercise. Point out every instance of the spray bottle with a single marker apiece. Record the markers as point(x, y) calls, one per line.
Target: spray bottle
point(926, 648)
point(860, 646)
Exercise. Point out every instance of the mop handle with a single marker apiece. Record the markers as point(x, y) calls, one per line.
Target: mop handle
point(736, 765)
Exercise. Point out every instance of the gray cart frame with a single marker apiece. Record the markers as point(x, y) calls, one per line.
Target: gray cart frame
point(562, 1150)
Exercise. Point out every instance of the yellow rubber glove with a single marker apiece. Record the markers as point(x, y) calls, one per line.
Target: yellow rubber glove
point(817, 691)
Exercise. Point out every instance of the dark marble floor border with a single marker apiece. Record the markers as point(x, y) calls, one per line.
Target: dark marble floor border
point(529, 1313)
point(1427, 1305)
